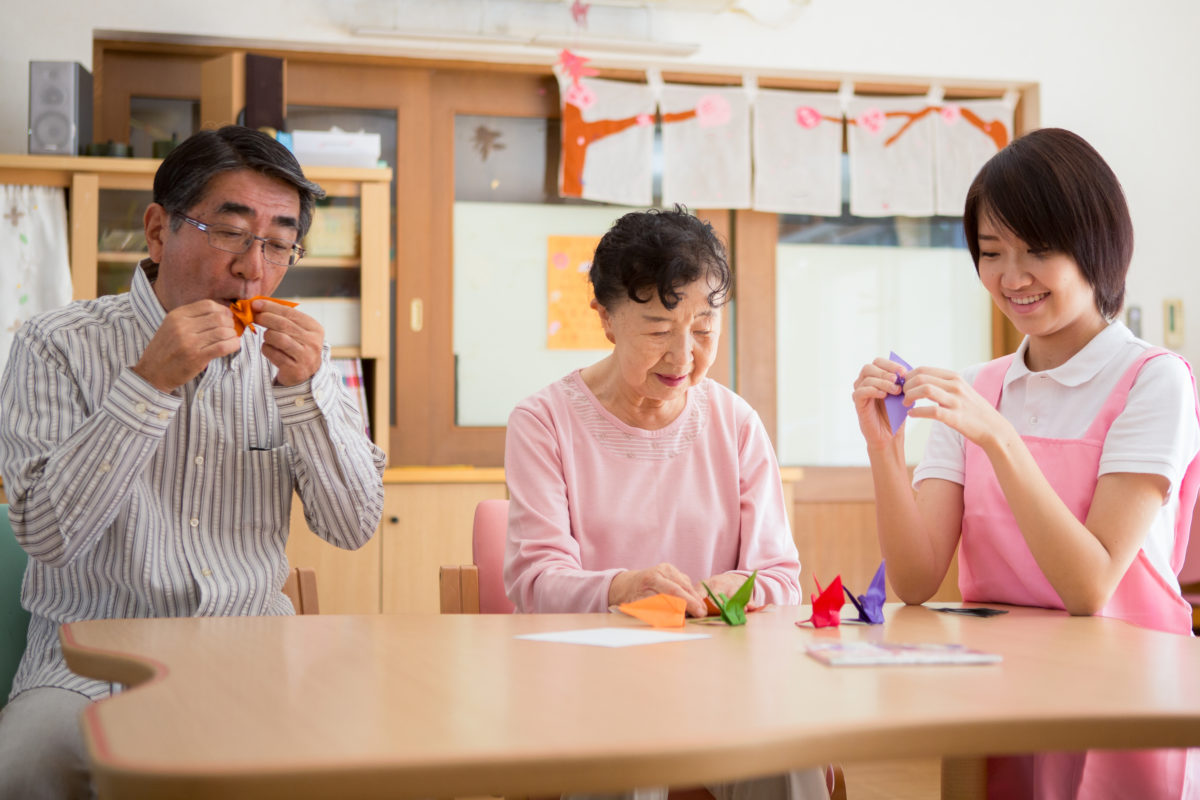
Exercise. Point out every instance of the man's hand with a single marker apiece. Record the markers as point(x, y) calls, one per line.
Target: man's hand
point(190, 336)
point(292, 342)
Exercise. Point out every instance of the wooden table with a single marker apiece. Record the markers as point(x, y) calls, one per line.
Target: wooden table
point(441, 706)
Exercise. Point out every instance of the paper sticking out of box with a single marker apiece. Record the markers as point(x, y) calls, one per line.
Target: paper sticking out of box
point(336, 148)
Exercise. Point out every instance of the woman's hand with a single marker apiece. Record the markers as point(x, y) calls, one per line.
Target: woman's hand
point(663, 579)
point(876, 381)
point(956, 403)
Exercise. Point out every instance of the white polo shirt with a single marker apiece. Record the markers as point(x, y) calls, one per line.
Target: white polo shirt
point(1156, 434)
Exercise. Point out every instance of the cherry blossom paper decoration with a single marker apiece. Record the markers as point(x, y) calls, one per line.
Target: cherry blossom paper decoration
point(607, 136)
point(798, 153)
point(890, 143)
point(706, 146)
point(966, 135)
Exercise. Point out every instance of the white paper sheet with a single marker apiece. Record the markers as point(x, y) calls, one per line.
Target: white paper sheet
point(614, 637)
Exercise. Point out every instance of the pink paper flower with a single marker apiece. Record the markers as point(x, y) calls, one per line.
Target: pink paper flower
point(808, 117)
point(872, 120)
point(712, 110)
point(580, 96)
point(560, 261)
point(951, 113)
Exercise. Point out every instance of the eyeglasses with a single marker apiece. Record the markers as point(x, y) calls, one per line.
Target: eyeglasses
point(229, 239)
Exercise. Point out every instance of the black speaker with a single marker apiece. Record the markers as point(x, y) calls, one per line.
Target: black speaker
point(60, 107)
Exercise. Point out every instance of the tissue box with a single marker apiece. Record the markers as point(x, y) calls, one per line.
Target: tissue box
point(340, 317)
point(336, 148)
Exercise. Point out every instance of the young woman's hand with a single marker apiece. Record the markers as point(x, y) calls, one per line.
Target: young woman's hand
point(956, 403)
point(876, 381)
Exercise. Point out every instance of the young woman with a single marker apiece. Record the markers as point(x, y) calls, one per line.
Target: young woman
point(1066, 473)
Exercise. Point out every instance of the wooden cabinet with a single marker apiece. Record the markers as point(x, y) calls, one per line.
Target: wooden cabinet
point(427, 517)
point(106, 244)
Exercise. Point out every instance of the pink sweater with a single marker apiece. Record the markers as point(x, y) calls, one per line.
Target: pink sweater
point(592, 496)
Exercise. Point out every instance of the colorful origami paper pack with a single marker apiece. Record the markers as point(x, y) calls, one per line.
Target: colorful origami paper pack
point(870, 605)
point(894, 403)
point(733, 609)
point(243, 314)
point(827, 605)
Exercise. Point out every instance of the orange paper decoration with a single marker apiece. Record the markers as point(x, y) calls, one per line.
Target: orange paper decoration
point(660, 611)
point(243, 315)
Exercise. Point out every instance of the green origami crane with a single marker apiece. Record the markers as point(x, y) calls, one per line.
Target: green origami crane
point(733, 609)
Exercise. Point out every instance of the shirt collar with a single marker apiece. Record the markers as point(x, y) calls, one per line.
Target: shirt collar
point(146, 307)
point(1081, 367)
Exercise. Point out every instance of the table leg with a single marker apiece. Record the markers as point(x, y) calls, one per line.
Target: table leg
point(964, 778)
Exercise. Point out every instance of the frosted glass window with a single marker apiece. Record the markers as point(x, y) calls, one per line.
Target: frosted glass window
point(840, 306)
point(500, 301)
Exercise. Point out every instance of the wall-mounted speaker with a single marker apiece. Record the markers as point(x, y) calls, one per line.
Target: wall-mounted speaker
point(60, 107)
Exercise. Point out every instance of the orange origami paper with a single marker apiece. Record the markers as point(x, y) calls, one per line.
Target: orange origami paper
point(660, 611)
point(243, 315)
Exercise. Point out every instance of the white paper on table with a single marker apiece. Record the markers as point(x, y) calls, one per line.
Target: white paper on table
point(613, 637)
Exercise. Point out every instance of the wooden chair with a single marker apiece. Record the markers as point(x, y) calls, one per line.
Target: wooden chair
point(301, 589)
point(478, 588)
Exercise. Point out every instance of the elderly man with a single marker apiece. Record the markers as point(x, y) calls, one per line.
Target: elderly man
point(149, 451)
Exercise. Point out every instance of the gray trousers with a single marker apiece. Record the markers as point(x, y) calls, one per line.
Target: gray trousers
point(808, 784)
point(42, 755)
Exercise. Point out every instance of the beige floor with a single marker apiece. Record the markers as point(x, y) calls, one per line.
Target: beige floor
point(911, 779)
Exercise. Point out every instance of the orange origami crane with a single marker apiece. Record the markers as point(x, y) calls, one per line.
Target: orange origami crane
point(660, 611)
point(243, 315)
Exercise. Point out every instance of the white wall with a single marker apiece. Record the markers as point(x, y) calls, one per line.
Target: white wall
point(1120, 73)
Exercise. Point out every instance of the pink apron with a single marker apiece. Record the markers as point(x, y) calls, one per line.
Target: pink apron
point(995, 566)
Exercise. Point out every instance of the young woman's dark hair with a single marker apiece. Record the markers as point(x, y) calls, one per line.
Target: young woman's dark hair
point(1053, 191)
point(185, 173)
point(658, 251)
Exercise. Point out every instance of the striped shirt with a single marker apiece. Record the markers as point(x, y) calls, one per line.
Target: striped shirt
point(135, 503)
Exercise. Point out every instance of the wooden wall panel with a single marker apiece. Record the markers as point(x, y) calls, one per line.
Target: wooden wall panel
point(348, 581)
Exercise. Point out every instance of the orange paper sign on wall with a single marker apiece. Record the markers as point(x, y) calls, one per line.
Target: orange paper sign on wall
point(571, 324)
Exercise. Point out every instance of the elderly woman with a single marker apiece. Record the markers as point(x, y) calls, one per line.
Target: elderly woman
point(639, 475)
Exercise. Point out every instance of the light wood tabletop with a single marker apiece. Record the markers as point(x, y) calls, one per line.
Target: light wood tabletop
point(453, 705)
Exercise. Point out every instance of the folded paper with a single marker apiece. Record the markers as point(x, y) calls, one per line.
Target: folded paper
point(733, 609)
point(894, 403)
point(827, 605)
point(243, 314)
point(870, 605)
point(659, 611)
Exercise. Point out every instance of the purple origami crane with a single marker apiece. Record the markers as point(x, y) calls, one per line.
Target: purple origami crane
point(870, 605)
point(896, 410)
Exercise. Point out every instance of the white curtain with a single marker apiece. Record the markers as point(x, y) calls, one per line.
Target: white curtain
point(706, 146)
point(608, 139)
point(967, 134)
point(891, 156)
point(797, 153)
point(35, 274)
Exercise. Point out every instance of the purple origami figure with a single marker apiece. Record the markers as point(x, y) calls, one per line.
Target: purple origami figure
point(870, 605)
point(894, 403)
